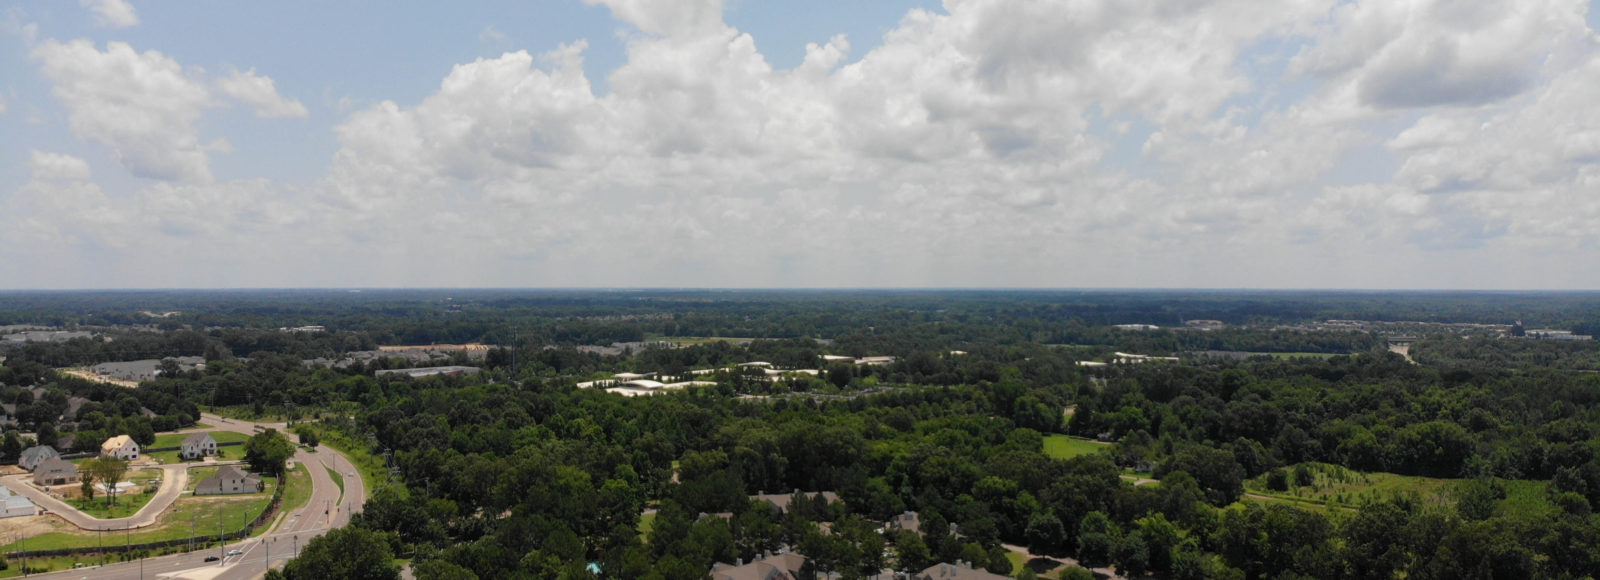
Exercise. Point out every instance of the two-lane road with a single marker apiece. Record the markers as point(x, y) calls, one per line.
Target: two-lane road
point(327, 509)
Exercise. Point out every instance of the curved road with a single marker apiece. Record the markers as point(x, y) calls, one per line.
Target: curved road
point(327, 509)
point(173, 479)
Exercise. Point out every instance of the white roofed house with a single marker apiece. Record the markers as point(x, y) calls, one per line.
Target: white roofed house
point(121, 447)
point(15, 505)
point(197, 446)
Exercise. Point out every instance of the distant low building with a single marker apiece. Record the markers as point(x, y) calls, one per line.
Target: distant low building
point(1553, 334)
point(55, 471)
point(1136, 327)
point(430, 371)
point(782, 500)
point(229, 480)
point(875, 360)
point(33, 456)
point(121, 447)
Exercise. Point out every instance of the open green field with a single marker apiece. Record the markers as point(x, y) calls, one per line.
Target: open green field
point(1064, 447)
point(1338, 487)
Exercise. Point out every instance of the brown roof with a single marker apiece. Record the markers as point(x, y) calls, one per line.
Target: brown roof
point(782, 500)
point(777, 567)
point(957, 571)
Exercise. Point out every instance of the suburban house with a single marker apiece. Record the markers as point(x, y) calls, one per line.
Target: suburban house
point(229, 480)
point(907, 521)
point(35, 455)
point(196, 446)
point(772, 567)
point(782, 500)
point(15, 505)
point(957, 571)
point(121, 447)
point(55, 471)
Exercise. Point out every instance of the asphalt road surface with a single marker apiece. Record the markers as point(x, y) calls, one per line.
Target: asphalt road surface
point(326, 510)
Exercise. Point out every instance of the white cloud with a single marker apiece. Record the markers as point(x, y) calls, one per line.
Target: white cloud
point(142, 105)
point(58, 167)
point(262, 93)
point(1420, 53)
point(998, 143)
point(677, 18)
point(112, 13)
point(491, 35)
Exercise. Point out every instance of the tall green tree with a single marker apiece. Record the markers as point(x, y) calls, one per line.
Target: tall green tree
point(347, 553)
point(267, 452)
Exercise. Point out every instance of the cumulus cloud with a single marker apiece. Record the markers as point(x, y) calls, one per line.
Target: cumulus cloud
point(962, 126)
point(262, 93)
point(141, 105)
point(58, 167)
point(112, 13)
point(1421, 53)
point(1000, 142)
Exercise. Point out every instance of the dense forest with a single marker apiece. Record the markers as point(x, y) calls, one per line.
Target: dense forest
point(1247, 466)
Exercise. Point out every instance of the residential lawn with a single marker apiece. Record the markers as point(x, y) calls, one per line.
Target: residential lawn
point(176, 439)
point(338, 479)
point(1064, 447)
point(126, 505)
point(1017, 562)
point(647, 522)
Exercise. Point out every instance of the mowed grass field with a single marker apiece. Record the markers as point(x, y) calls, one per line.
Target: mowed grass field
point(1338, 487)
point(1065, 447)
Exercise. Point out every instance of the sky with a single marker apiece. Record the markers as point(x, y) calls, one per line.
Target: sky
point(1394, 144)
